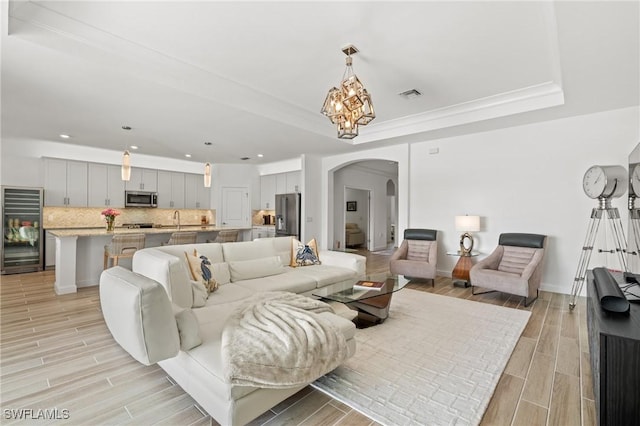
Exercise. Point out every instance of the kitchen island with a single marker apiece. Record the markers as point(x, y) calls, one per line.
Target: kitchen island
point(79, 251)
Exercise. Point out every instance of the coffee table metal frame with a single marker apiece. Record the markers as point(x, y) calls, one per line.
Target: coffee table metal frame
point(372, 306)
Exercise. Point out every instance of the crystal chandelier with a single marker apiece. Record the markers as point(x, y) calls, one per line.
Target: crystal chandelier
point(349, 105)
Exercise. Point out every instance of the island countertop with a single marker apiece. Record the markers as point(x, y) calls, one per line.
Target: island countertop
point(89, 232)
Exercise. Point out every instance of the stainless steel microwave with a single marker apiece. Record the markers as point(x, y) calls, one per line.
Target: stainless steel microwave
point(140, 199)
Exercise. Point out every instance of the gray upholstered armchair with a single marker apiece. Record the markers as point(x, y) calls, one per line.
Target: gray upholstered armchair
point(515, 266)
point(417, 255)
point(353, 235)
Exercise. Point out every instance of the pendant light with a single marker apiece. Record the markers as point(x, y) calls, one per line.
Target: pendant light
point(207, 175)
point(349, 105)
point(125, 170)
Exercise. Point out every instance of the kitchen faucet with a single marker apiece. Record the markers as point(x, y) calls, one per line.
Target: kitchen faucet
point(176, 214)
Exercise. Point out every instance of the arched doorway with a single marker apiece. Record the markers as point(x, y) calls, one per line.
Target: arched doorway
point(356, 179)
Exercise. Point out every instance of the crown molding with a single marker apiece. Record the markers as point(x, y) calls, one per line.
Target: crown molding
point(544, 95)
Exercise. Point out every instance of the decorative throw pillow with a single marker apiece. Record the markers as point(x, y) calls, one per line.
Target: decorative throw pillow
point(188, 328)
point(304, 254)
point(200, 268)
point(200, 294)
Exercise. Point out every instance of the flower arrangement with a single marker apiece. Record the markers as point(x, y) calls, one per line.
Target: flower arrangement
point(110, 217)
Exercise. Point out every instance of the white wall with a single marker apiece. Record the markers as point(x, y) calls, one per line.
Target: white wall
point(235, 175)
point(311, 189)
point(520, 179)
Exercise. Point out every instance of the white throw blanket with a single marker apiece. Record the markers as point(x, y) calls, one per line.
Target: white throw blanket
point(277, 340)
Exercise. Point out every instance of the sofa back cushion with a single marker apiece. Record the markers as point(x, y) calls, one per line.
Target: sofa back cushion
point(255, 268)
point(168, 269)
point(213, 251)
point(139, 315)
point(418, 250)
point(515, 259)
point(282, 247)
point(247, 250)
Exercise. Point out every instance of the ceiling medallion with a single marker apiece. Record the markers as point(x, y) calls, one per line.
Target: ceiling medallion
point(349, 105)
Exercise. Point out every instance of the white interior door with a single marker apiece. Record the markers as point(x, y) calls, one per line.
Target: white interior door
point(236, 211)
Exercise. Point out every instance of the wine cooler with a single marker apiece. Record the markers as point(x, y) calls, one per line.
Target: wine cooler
point(21, 230)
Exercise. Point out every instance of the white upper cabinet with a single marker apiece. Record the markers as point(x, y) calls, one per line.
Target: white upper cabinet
point(171, 190)
point(191, 190)
point(196, 196)
point(281, 183)
point(143, 180)
point(267, 192)
point(203, 200)
point(65, 183)
point(105, 186)
point(293, 182)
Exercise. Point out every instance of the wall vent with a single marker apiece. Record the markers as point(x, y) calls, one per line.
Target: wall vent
point(410, 94)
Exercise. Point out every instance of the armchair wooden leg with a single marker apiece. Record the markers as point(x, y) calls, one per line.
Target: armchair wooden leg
point(528, 302)
point(106, 260)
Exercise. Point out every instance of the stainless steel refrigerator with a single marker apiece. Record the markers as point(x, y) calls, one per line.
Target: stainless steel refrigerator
point(21, 230)
point(288, 215)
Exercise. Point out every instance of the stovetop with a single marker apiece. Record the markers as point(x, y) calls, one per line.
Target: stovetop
point(137, 225)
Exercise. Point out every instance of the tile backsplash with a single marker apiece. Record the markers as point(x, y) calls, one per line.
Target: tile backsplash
point(257, 219)
point(91, 217)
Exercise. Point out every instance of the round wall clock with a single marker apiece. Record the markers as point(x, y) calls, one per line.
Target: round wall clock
point(605, 182)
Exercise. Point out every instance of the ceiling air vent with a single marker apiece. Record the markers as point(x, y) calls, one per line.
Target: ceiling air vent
point(410, 94)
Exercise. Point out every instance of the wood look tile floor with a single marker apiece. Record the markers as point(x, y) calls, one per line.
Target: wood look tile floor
point(56, 352)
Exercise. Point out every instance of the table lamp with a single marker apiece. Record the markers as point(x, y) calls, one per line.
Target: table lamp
point(467, 224)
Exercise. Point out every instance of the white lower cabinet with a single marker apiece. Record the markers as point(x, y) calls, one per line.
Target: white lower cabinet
point(263, 232)
point(50, 251)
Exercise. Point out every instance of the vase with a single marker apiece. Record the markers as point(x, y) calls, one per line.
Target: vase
point(111, 224)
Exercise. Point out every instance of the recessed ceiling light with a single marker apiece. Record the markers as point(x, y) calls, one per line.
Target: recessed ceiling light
point(134, 147)
point(260, 155)
point(63, 136)
point(188, 155)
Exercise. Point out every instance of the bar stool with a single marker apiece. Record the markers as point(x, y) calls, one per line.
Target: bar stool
point(122, 246)
point(226, 236)
point(178, 238)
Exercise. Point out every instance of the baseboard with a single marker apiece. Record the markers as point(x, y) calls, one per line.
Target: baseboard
point(561, 289)
point(64, 290)
point(86, 283)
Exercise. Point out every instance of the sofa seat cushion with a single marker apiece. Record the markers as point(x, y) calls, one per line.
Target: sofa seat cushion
point(209, 354)
point(346, 327)
point(228, 293)
point(508, 282)
point(289, 281)
point(324, 275)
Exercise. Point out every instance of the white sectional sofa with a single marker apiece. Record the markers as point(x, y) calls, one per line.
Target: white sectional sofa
point(243, 269)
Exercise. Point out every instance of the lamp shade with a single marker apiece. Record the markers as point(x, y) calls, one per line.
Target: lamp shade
point(468, 223)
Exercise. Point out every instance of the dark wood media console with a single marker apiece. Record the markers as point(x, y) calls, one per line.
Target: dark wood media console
point(614, 345)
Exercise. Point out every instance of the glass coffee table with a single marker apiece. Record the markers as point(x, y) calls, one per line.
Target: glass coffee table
point(372, 306)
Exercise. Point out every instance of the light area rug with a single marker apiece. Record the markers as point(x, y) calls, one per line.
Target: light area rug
point(435, 361)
